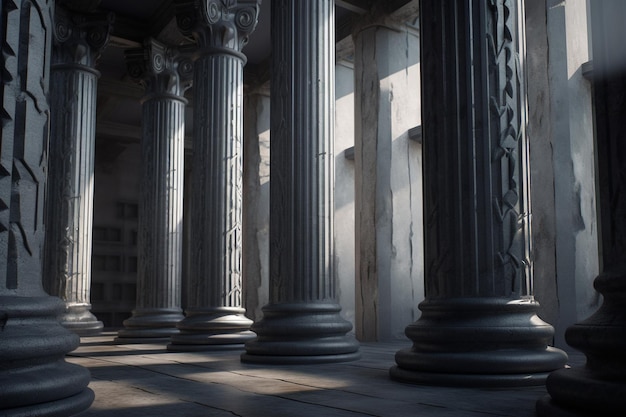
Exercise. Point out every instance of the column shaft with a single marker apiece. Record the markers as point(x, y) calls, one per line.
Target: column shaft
point(69, 216)
point(34, 378)
point(216, 235)
point(478, 323)
point(301, 324)
point(215, 314)
point(165, 73)
point(599, 388)
point(161, 205)
point(388, 180)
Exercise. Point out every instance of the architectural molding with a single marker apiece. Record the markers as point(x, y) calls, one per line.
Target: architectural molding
point(78, 41)
point(302, 322)
point(35, 379)
point(218, 24)
point(79, 38)
point(214, 314)
point(478, 324)
point(165, 73)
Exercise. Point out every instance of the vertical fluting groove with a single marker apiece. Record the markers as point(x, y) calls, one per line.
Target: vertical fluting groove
point(69, 207)
point(165, 73)
point(159, 273)
point(302, 197)
point(35, 380)
point(302, 322)
point(217, 236)
point(478, 330)
point(67, 270)
point(486, 173)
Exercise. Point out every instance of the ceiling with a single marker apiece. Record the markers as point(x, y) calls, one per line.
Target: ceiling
point(119, 109)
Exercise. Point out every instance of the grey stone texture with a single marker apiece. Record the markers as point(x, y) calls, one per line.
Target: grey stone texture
point(479, 324)
point(34, 377)
point(301, 323)
point(599, 388)
point(78, 40)
point(146, 380)
point(166, 74)
point(388, 179)
point(214, 312)
point(562, 162)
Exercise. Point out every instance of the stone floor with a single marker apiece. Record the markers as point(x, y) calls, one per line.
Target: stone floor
point(147, 380)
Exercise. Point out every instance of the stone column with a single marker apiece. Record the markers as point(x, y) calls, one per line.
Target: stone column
point(78, 40)
point(388, 180)
point(215, 314)
point(34, 377)
point(165, 74)
point(301, 323)
point(599, 388)
point(479, 324)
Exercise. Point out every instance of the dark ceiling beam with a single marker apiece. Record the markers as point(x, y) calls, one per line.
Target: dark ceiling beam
point(358, 7)
point(128, 29)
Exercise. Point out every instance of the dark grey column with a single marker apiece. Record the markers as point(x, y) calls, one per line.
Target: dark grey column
point(78, 40)
point(165, 74)
point(301, 323)
point(479, 324)
point(214, 314)
point(599, 388)
point(34, 377)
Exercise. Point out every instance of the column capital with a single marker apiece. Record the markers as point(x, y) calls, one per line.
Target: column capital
point(219, 24)
point(160, 69)
point(79, 38)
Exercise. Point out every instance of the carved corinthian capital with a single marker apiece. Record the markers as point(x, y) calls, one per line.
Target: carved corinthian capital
point(80, 38)
point(218, 23)
point(159, 68)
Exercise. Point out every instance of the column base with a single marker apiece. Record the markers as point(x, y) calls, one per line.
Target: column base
point(579, 392)
point(60, 408)
point(150, 325)
point(301, 333)
point(79, 319)
point(216, 328)
point(599, 388)
point(487, 342)
point(36, 380)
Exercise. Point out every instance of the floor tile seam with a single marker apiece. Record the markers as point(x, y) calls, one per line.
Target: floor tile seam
point(172, 397)
point(378, 397)
point(348, 391)
point(234, 386)
point(316, 404)
point(312, 403)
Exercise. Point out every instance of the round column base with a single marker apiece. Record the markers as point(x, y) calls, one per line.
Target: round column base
point(60, 408)
point(36, 380)
point(301, 333)
point(80, 320)
point(580, 392)
point(478, 342)
point(467, 380)
point(219, 328)
point(599, 388)
point(150, 326)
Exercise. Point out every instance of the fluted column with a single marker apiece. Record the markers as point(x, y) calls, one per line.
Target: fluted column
point(34, 377)
point(301, 323)
point(479, 324)
point(215, 314)
point(78, 40)
point(599, 388)
point(165, 74)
